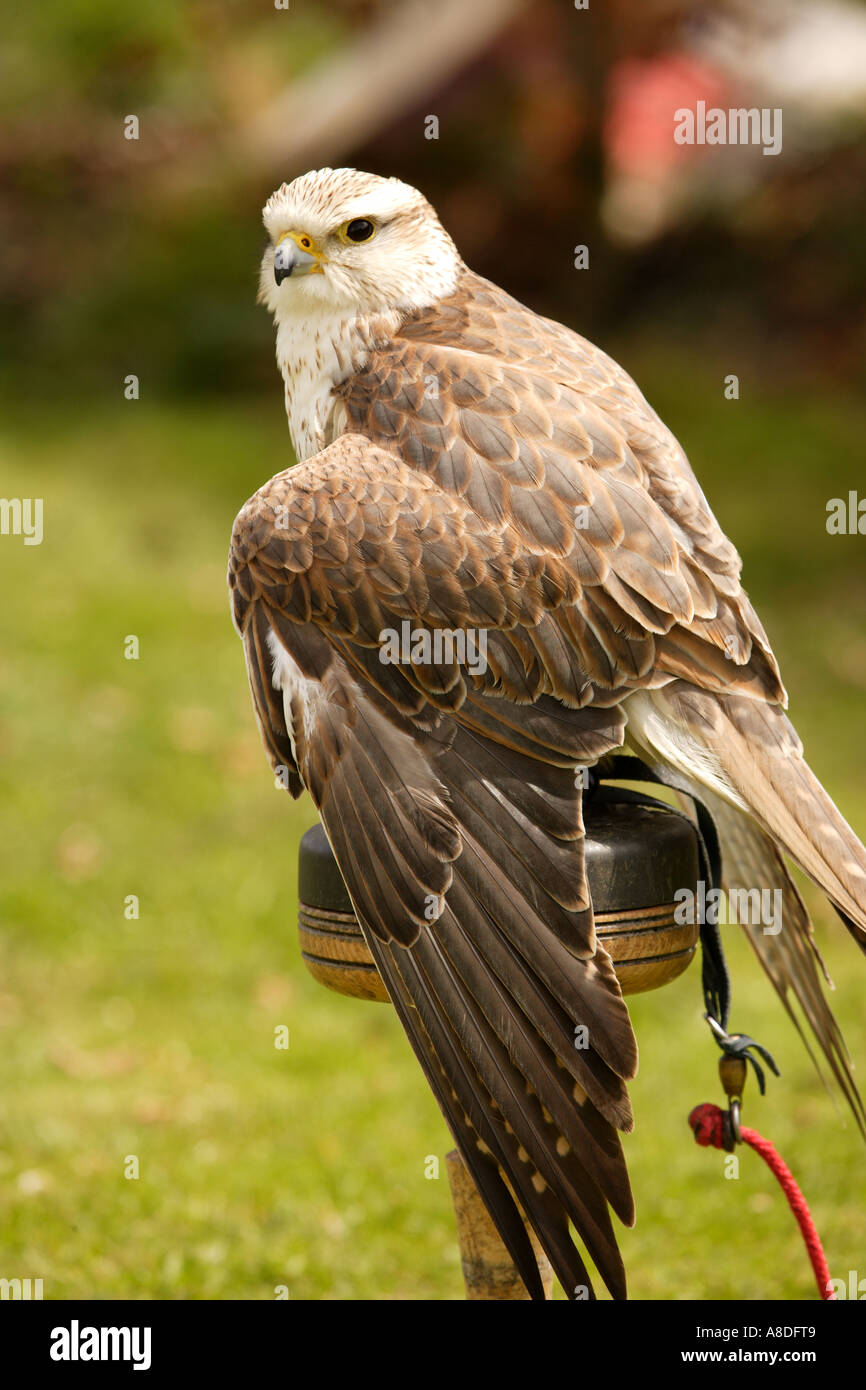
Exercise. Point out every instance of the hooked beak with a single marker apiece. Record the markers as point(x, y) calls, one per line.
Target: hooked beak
point(294, 258)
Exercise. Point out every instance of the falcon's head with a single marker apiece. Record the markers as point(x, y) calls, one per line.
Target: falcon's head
point(342, 241)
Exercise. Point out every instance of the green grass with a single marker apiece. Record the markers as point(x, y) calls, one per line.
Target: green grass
point(154, 1037)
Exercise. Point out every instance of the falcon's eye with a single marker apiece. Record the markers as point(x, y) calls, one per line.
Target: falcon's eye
point(359, 229)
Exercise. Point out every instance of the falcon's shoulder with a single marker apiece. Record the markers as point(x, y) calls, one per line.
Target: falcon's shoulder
point(336, 539)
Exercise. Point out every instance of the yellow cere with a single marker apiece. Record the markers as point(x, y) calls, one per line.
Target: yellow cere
point(300, 239)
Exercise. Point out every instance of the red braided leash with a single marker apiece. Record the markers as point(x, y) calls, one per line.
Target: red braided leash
point(706, 1122)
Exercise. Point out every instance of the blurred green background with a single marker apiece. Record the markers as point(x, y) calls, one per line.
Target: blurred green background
point(154, 1037)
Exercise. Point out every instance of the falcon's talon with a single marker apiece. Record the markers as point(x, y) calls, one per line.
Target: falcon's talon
point(740, 1045)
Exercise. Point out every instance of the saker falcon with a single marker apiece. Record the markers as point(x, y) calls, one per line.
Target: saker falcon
point(466, 465)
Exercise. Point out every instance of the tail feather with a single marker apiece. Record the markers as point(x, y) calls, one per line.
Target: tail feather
point(745, 762)
point(761, 756)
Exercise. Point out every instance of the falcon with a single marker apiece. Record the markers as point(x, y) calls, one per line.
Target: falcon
point(466, 467)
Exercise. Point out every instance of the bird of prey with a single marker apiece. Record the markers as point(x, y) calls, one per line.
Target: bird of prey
point(469, 468)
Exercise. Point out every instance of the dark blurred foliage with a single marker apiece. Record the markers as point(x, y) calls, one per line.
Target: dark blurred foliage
point(141, 256)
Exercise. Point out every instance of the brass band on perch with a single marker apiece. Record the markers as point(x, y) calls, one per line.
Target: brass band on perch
point(648, 948)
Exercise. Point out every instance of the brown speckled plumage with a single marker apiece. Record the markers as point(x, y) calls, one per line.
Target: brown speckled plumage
point(467, 464)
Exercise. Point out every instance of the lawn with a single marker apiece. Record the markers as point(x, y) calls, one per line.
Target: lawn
point(145, 1044)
